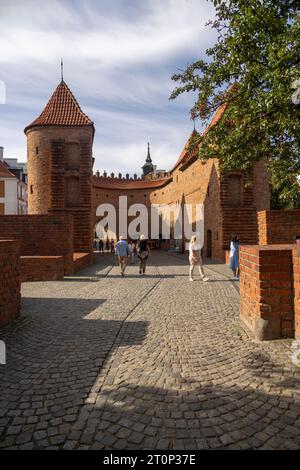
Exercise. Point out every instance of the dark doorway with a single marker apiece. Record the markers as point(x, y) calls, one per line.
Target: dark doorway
point(209, 244)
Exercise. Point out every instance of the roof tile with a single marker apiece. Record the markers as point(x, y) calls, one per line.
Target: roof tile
point(62, 110)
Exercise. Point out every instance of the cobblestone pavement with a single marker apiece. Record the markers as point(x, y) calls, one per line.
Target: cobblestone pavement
point(98, 361)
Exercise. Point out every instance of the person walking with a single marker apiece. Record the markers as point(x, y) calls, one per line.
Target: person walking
point(101, 245)
point(143, 253)
point(107, 245)
point(112, 245)
point(195, 259)
point(234, 257)
point(122, 252)
point(131, 249)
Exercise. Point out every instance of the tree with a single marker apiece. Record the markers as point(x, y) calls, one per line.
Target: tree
point(253, 70)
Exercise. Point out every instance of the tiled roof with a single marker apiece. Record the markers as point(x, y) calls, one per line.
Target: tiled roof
point(189, 153)
point(4, 172)
point(62, 110)
point(116, 183)
point(218, 114)
point(186, 150)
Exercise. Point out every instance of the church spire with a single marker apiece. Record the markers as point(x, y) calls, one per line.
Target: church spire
point(148, 159)
point(148, 166)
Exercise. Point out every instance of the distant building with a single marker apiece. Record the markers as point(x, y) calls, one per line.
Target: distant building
point(148, 165)
point(13, 186)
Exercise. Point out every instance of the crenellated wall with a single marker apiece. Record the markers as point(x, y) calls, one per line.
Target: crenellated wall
point(229, 201)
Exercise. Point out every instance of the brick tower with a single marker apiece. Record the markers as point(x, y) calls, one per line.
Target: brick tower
point(59, 155)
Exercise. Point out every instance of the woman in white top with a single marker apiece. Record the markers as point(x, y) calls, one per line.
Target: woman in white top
point(195, 259)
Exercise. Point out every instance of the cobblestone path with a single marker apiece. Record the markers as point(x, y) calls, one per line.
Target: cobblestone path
point(98, 361)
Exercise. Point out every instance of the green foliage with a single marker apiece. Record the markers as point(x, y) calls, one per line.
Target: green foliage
point(252, 68)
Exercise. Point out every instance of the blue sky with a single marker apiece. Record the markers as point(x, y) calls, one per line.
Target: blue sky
point(119, 56)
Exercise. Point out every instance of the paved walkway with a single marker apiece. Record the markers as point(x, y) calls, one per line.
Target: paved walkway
point(97, 361)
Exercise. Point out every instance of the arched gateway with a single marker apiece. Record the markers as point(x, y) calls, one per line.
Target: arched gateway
point(60, 179)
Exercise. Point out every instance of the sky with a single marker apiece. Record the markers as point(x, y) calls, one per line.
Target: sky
point(119, 56)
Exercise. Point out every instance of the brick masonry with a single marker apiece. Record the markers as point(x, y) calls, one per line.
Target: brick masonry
point(42, 268)
point(230, 201)
point(59, 181)
point(82, 260)
point(278, 226)
point(10, 295)
point(41, 235)
point(266, 289)
point(296, 267)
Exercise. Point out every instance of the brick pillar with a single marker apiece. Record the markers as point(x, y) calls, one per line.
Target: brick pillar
point(10, 285)
point(296, 266)
point(266, 289)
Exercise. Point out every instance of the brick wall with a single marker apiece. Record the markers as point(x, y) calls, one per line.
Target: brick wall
point(10, 295)
point(240, 221)
point(266, 290)
point(42, 268)
point(230, 202)
point(43, 235)
point(296, 266)
point(278, 226)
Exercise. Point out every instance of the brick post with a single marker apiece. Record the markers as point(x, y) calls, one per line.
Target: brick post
point(10, 285)
point(296, 266)
point(266, 288)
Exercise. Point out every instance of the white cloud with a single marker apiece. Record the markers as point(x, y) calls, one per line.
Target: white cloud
point(118, 58)
point(165, 29)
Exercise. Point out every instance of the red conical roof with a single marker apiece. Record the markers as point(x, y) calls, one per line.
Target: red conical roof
point(62, 110)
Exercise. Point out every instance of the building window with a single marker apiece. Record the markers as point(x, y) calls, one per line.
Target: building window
point(2, 208)
point(36, 150)
point(31, 189)
point(2, 188)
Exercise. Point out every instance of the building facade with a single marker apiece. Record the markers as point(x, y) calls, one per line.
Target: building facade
point(13, 187)
point(60, 178)
point(19, 170)
point(230, 201)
